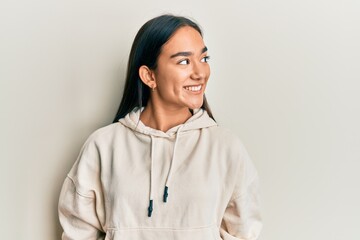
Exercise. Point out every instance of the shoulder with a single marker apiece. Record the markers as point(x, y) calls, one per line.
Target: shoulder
point(236, 151)
point(226, 137)
point(227, 141)
point(97, 145)
point(105, 134)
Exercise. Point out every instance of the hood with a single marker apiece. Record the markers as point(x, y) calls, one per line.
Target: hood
point(200, 119)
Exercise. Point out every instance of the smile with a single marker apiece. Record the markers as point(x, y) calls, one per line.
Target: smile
point(195, 88)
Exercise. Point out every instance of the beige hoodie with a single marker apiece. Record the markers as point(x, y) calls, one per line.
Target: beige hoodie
point(131, 182)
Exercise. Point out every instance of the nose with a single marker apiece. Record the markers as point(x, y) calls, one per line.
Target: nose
point(199, 71)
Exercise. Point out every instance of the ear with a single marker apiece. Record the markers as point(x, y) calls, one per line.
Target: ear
point(147, 76)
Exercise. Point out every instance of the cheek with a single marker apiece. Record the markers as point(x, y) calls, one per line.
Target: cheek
point(208, 72)
point(171, 83)
point(176, 79)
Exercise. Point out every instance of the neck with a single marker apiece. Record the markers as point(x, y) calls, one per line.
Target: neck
point(164, 118)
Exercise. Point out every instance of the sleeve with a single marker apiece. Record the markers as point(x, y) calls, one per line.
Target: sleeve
point(81, 211)
point(242, 219)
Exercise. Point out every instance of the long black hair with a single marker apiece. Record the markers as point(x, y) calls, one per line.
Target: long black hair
point(145, 50)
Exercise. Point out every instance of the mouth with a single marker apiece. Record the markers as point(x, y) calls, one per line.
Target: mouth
point(194, 88)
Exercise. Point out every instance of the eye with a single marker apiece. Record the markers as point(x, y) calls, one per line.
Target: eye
point(205, 59)
point(184, 62)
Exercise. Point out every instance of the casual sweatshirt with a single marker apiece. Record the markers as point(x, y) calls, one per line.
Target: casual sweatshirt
point(132, 182)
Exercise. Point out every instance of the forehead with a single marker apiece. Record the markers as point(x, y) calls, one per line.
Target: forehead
point(184, 39)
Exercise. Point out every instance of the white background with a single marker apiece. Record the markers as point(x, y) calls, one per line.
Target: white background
point(285, 78)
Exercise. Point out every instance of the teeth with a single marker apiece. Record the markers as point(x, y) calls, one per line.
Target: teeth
point(194, 88)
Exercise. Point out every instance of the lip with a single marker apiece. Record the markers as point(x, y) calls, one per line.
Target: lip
point(195, 85)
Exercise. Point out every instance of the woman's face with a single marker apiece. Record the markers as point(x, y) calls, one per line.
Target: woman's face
point(182, 70)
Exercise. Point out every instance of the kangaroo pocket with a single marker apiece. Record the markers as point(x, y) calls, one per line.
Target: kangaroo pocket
point(199, 233)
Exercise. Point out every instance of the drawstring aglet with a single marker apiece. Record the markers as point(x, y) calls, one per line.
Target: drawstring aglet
point(150, 208)
point(165, 194)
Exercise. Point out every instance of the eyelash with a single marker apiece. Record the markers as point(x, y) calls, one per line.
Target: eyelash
point(187, 62)
point(206, 59)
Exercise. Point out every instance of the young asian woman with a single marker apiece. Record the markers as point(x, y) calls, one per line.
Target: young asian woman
point(164, 169)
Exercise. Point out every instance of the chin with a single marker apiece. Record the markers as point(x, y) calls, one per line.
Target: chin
point(195, 106)
point(193, 103)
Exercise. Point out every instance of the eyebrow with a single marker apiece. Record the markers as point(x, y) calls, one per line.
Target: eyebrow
point(186, 54)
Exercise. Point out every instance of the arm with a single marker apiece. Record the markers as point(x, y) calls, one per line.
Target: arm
point(78, 214)
point(81, 207)
point(242, 219)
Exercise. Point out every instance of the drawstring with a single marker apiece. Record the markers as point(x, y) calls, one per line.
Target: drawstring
point(150, 208)
point(168, 179)
point(166, 194)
